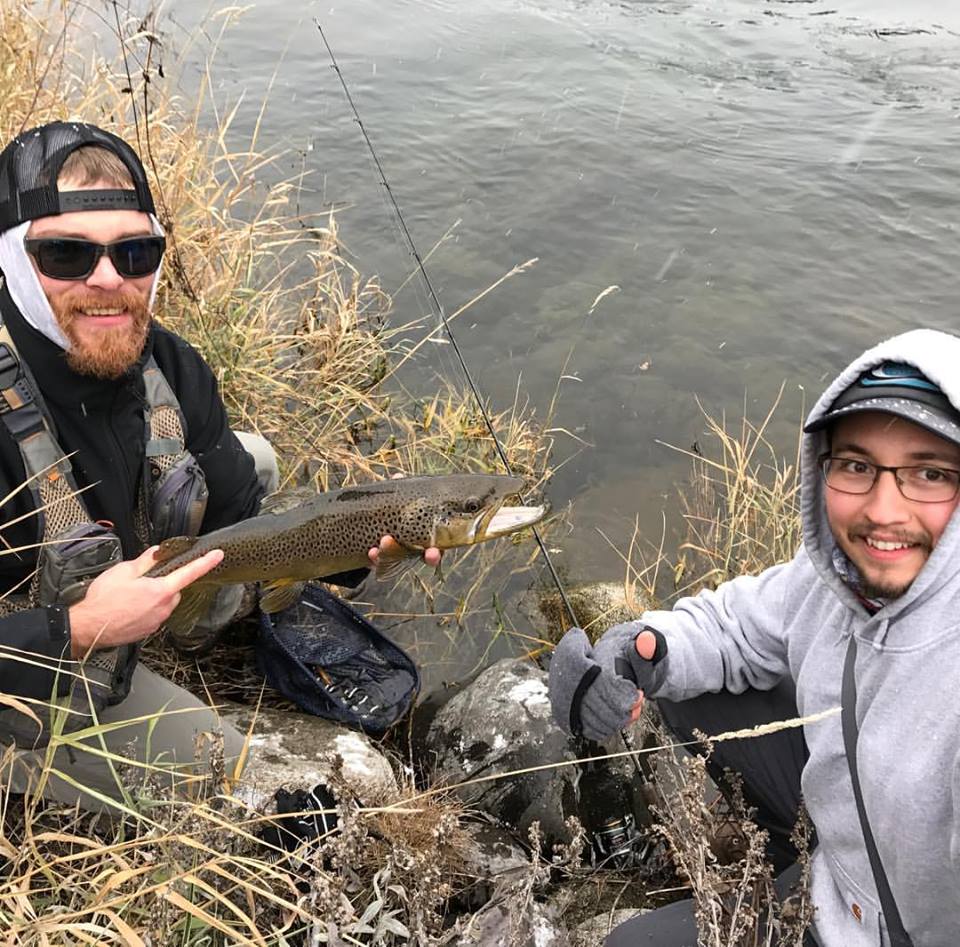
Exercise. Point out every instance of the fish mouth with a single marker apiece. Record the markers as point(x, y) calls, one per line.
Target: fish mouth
point(508, 519)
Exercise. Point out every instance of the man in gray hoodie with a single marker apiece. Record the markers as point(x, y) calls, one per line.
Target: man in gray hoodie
point(875, 587)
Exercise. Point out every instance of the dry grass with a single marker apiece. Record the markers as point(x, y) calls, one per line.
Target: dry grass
point(742, 509)
point(741, 515)
point(720, 853)
point(305, 354)
point(179, 872)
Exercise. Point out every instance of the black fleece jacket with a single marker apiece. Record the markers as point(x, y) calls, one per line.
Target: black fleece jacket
point(102, 421)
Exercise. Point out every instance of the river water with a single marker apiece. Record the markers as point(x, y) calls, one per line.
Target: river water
point(771, 185)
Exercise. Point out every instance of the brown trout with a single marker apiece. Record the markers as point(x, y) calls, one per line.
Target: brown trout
point(304, 535)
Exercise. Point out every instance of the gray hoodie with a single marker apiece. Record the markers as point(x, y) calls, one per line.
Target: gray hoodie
point(795, 619)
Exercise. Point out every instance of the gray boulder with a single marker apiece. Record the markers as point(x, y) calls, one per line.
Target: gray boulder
point(492, 857)
point(499, 724)
point(511, 919)
point(493, 853)
point(296, 751)
point(593, 931)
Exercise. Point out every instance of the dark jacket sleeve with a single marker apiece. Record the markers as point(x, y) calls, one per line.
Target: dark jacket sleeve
point(32, 645)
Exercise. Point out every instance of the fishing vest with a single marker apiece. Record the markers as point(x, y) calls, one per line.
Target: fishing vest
point(74, 549)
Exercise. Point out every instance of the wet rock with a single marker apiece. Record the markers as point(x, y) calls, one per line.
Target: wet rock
point(512, 919)
point(492, 857)
point(493, 852)
point(593, 931)
point(501, 723)
point(598, 605)
point(297, 751)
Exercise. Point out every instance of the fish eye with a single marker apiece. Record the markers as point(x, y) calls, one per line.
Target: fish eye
point(472, 504)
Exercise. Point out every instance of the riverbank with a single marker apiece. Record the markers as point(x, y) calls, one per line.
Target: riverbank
point(306, 353)
point(304, 349)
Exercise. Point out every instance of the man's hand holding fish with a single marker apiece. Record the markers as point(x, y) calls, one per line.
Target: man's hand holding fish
point(144, 603)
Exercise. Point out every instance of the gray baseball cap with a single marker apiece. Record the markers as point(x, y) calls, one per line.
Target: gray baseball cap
point(899, 389)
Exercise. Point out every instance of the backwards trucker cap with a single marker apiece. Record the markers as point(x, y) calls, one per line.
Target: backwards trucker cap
point(899, 389)
point(31, 163)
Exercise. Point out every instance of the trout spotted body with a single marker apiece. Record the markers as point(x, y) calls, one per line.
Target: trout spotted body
point(301, 536)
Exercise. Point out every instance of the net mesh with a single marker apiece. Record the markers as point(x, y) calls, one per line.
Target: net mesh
point(61, 510)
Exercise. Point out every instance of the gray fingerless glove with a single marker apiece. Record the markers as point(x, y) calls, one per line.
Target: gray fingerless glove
point(647, 674)
point(593, 689)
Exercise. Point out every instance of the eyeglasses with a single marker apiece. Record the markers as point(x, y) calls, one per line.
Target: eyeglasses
point(922, 484)
point(73, 258)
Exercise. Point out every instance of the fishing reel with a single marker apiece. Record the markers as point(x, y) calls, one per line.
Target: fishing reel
point(617, 843)
point(607, 809)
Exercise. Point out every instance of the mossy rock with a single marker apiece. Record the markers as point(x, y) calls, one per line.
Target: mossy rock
point(597, 605)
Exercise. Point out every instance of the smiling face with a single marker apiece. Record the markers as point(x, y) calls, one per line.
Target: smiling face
point(106, 316)
point(886, 536)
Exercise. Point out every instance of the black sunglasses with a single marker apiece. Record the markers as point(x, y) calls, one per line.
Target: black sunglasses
point(74, 258)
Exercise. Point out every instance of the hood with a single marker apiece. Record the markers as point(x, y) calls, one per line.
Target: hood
point(59, 384)
point(25, 289)
point(937, 355)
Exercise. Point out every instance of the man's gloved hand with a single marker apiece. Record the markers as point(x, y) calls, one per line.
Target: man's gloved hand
point(640, 658)
point(594, 690)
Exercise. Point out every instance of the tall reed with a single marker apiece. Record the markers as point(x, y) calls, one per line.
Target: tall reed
point(304, 349)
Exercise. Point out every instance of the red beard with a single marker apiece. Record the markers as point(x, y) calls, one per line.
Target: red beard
point(108, 352)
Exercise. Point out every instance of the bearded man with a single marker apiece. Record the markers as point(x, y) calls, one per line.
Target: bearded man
point(113, 436)
point(863, 618)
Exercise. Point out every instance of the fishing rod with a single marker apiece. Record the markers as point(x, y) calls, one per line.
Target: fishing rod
point(441, 314)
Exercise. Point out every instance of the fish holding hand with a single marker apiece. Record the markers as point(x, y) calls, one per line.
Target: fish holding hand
point(303, 535)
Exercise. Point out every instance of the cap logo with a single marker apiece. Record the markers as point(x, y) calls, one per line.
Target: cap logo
point(900, 374)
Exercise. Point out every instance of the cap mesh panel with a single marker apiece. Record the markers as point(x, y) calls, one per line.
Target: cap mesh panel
point(29, 166)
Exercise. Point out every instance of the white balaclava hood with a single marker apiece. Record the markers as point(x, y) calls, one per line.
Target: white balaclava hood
point(24, 286)
point(30, 167)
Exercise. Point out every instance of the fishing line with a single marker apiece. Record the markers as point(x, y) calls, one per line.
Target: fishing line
point(441, 314)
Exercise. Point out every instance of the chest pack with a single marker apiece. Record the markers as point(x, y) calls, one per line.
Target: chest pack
point(74, 549)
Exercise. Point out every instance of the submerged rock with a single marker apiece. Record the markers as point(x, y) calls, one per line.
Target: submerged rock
point(296, 751)
point(502, 723)
point(597, 605)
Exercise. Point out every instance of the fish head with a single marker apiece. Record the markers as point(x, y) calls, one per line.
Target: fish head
point(465, 509)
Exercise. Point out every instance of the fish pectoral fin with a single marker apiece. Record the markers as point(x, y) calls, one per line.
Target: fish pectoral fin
point(286, 500)
point(195, 602)
point(389, 565)
point(280, 594)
